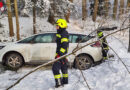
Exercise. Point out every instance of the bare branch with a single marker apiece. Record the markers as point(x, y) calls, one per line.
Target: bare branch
point(85, 80)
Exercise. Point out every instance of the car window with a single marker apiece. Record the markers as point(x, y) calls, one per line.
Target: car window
point(70, 38)
point(86, 38)
point(76, 39)
point(27, 40)
point(54, 37)
point(45, 38)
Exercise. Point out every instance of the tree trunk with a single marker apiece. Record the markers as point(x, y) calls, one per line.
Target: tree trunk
point(0, 25)
point(51, 18)
point(100, 10)
point(121, 7)
point(17, 20)
point(34, 19)
point(67, 16)
point(91, 7)
point(84, 9)
point(128, 6)
point(115, 9)
point(95, 10)
point(11, 32)
point(129, 35)
point(106, 7)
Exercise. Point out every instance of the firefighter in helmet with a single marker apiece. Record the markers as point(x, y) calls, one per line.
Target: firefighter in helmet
point(104, 44)
point(62, 41)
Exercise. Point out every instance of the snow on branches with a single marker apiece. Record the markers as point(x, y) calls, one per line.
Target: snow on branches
point(41, 5)
point(55, 7)
point(61, 7)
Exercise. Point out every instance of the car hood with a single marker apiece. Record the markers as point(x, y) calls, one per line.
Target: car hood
point(7, 43)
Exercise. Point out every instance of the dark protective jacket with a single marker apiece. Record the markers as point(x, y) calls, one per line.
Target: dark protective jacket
point(62, 40)
point(104, 43)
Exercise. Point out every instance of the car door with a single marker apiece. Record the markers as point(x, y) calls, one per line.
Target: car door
point(25, 47)
point(43, 46)
point(74, 41)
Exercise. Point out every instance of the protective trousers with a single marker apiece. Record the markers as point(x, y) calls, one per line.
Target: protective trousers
point(57, 66)
point(104, 52)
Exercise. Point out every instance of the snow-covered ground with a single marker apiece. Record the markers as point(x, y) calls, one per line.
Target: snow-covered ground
point(110, 75)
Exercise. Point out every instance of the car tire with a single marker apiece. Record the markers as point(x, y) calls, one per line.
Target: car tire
point(83, 62)
point(14, 61)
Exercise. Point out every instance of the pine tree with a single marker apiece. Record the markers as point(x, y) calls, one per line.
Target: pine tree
point(58, 9)
point(128, 5)
point(100, 10)
point(115, 8)
point(34, 16)
point(51, 13)
point(20, 4)
point(129, 35)
point(84, 9)
point(106, 7)
point(0, 25)
point(17, 20)
point(95, 10)
point(91, 6)
point(121, 7)
point(67, 16)
point(11, 32)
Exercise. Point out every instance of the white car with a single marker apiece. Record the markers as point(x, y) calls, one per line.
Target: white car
point(41, 48)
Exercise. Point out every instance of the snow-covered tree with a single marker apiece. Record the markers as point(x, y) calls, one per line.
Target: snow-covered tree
point(53, 8)
point(42, 7)
point(59, 8)
point(21, 4)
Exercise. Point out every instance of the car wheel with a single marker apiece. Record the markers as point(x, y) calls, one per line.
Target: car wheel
point(83, 62)
point(14, 61)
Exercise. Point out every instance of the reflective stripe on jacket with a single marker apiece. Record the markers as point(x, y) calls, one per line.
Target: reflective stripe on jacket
point(104, 44)
point(62, 40)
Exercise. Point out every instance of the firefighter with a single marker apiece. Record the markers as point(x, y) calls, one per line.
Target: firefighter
point(62, 40)
point(104, 45)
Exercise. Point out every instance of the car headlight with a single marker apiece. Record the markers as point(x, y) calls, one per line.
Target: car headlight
point(2, 47)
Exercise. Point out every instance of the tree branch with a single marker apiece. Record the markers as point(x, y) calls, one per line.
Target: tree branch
point(119, 58)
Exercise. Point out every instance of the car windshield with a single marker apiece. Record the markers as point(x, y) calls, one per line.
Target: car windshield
point(86, 38)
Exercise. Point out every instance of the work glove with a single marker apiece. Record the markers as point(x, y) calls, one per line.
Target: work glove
point(57, 56)
point(67, 62)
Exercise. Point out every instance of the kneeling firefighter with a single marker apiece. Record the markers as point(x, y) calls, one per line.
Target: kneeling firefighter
point(104, 44)
point(62, 40)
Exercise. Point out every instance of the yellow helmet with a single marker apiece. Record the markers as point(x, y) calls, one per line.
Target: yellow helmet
point(100, 34)
point(61, 23)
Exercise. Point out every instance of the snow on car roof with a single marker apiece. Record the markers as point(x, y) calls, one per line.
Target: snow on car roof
point(70, 32)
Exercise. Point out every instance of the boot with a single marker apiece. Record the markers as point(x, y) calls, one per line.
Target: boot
point(58, 82)
point(65, 80)
point(105, 58)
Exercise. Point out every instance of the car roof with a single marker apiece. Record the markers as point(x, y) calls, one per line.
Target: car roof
point(79, 33)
